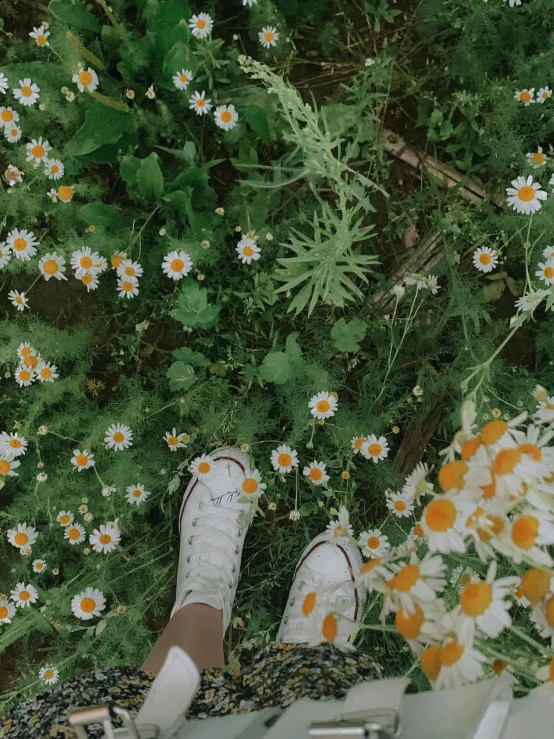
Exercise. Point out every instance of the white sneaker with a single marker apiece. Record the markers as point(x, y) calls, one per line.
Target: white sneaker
point(211, 539)
point(324, 581)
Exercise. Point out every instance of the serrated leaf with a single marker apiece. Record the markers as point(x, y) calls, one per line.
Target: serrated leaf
point(346, 336)
point(276, 368)
point(194, 310)
point(189, 356)
point(103, 125)
point(178, 57)
point(150, 179)
point(74, 15)
point(180, 376)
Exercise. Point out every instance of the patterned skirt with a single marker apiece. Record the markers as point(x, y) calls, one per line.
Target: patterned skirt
point(279, 675)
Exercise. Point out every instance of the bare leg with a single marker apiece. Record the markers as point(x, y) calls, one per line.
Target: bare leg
point(196, 628)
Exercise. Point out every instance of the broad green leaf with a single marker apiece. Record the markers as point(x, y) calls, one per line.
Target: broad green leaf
point(47, 75)
point(189, 356)
point(257, 120)
point(276, 368)
point(99, 214)
point(180, 376)
point(346, 336)
point(129, 167)
point(179, 57)
point(170, 24)
point(191, 177)
point(194, 310)
point(74, 15)
point(103, 125)
point(308, 508)
point(150, 179)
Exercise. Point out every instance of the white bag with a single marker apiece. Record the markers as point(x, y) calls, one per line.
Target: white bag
point(375, 710)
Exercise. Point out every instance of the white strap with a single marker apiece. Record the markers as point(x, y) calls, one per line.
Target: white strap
point(376, 694)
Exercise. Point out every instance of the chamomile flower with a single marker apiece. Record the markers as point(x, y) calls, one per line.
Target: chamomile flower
point(117, 259)
point(53, 169)
point(545, 410)
point(201, 25)
point(82, 260)
point(442, 520)
point(268, 37)
point(323, 405)
point(460, 663)
point(340, 527)
point(248, 250)
point(27, 93)
point(64, 518)
point(545, 272)
point(82, 460)
point(23, 536)
point(22, 243)
point(374, 543)
point(7, 612)
point(118, 437)
point(226, 117)
point(127, 287)
point(53, 195)
point(65, 193)
point(537, 159)
point(8, 116)
point(525, 96)
point(316, 473)
point(485, 259)
point(400, 504)
point(462, 576)
point(24, 376)
point(130, 269)
point(531, 300)
point(18, 300)
point(88, 604)
point(105, 538)
point(39, 565)
point(543, 94)
point(284, 458)
point(46, 372)
point(86, 80)
point(416, 482)
point(40, 35)
point(249, 3)
point(23, 595)
point(136, 494)
point(37, 150)
point(201, 466)
point(529, 532)
point(49, 674)
point(483, 604)
point(52, 265)
point(74, 533)
point(200, 103)
point(150, 94)
point(12, 444)
point(25, 350)
point(4, 86)
point(12, 133)
point(356, 443)
point(417, 581)
point(182, 79)
point(177, 264)
point(252, 485)
point(525, 195)
point(174, 440)
point(375, 448)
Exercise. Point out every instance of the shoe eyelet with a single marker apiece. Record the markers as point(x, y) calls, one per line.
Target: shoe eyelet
point(190, 539)
point(286, 620)
point(188, 558)
point(300, 586)
point(240, 533)
point(194, 520)
point(200, 505)
point(237, 550)
point(343, 599)
point(292, 601)
point(230, 586)
point(234, 568)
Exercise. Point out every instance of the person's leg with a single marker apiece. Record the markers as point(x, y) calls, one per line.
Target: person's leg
point(196, 628)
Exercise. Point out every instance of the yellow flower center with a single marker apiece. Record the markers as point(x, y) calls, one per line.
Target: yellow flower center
point(173, 441)
point(538, 157)
point(201, 24)
point(3, 612)
point(6, 116)
point(405, 579)
point(19, 244)
point(30, 361)
point(130, 271)
point(525, 531)
point(400, 505)
point(38, 151)
point(24, 595)
point(50, 266)
point(525, 96)
point(21, 539)
point(104, 538)
point(284, 460)
point(86, 279)
point(329, 628)
point(15, 443)
point(373, 542)
point(74, 534)
point(127, 287)
point(65, 192)
point(309, 603)
point(81, 459)
point(440, 515)
point(24, 376)
point(374, 450)
point(549, 272)
point(506, 461)
point(535, 585)
point(476, 598)
point(269, 36)
point(250, 485)
point(526, 193)
point(470, 447)
point(137, 493)
point(358, 443)
point(451, 475)
point(451, 653)
point(177, 265)
point(88, 605)
point(323, 406)
point(48, 674)
point(200, 102)
point(184, 78)
point(41, 39)
point(316, 474)
point(85, 262)
point(64, 519)
point(226, 117)
point(430, 662)
point(85, 77)
point(116, 260)
point(4, 466)
point(39, 566)
point(26, 91)
point(248, 251)
point(409, 624)
point(368, 566)
point(118, 437)
point(485, 258)
point(54, 168)
point(493, 431)
point(204, 468)
point(498, 666)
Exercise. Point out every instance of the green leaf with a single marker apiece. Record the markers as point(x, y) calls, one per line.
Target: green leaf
point(257, 120)
point(150, 179)
point(189, 356)
point(103, 125)
point(308, 508)
point(194, 310)
point(99, 214)
point(180, 376)
point(171, 25)
point(276, 368)
point(74, 15)
point(128, 168)
point(347, 335)
point(179, 57)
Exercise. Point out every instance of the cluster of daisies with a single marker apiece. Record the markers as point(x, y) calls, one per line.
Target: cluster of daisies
point(495, 498)
point(32, 367)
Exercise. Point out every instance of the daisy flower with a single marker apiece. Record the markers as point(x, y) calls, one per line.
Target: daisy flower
point(74, 533)
point(548, 252)
point(7, 612)
point(8, 116)
point(131, 269)
point(441, 522)
point(150, 94)
point(374, 543)
point(12, 133)
point(417, 581)
point(543, 94)
point(284, 458)
point(316, 473)
point(248, 250)
point(127, 287)
point(46, 372)
point(462, 576)
point(82, 260)
point(174, 440)
point(24, 377)
point(485, 259)
point(89, 280)
point(252, 484)
point(27, 93)
point(53, 169)
point(249, 3)
point(400, 504)
point(182, 79)
point(52, 265)
point(22, 536)
point(8, 464)
point(105, 538)
point(374, 575)
point(416, 483)
point(268, 37)
point(525, 195)
point(531, 300)
point(37, 150)
point(545, 272)
point(4, 87)
point(226, 117)
point(545, 410)
point(356, 443)
point(200, 103)
point(49, 674)
point(340, 527)
point(88, 604)
point(525, 96)
point(537, 159)
point(375, 448)
point(201, 466)
point(12, 444)
point(86, 79)
point(53, 195)
point(65, 193)
point(82, 460)
point(118, 437)
point(40, 35)
point(530, 531)
point(323, 405)
point(64, 518)
point(177, 264)
point(459, 664)
point(23, 595)
point(483, 604)
point(22, 243)
point(201, 25)
point(39, 565)
point(136, 494)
